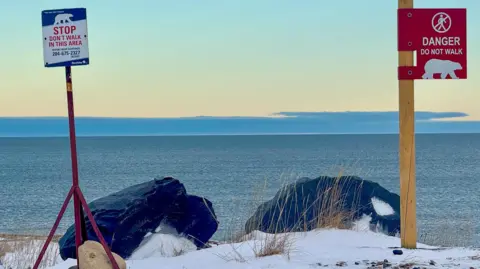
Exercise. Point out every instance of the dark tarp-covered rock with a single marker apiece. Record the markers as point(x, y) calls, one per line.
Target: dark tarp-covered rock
point(308, 203)
point(125, 217)
point(203, 226)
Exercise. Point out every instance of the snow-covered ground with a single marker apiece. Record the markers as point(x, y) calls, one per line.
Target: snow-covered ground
point(315, 249)
point(323, 248)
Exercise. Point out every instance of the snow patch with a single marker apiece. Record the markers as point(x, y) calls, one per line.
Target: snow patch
point(163, 245)
point(326, 247)
point(165, 242)
point(382, 208)
point(362, 224)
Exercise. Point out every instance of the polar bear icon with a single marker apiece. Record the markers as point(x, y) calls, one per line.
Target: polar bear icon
point(63, 18)
point(443, 67)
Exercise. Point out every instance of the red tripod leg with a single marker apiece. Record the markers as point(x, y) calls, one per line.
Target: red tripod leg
point(54, 228)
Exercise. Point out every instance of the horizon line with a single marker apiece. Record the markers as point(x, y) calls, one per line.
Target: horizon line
point(236, 134)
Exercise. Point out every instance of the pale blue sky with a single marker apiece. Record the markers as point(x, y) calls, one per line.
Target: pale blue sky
point(154, 58)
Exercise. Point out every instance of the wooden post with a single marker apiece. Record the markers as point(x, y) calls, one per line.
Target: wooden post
point(408, 221)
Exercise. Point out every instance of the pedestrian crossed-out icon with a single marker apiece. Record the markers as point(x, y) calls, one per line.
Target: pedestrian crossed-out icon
point(441, 22)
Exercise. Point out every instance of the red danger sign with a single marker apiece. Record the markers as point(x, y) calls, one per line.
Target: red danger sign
point(439, 37)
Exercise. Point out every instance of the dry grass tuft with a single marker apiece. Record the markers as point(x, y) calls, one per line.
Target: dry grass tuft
point(4, 249)
point(332, 203)
point(277, 244)
point(21, 251)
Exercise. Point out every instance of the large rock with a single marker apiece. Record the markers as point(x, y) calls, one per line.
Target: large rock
point(199, 225)
point(92, 255)
point(125, 217)
point(311, 203)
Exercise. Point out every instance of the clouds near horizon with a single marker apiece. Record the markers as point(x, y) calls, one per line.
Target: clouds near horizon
point(371, 116)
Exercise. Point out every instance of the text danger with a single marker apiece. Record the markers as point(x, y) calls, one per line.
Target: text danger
point(441, 41)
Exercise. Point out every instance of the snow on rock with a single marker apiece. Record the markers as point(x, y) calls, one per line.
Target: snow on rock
point(314, 249)
point(382, 208)
point(362, 224)
point(163, 245)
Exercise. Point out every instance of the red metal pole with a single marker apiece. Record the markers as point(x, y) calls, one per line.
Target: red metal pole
point(79, 201)
point(79, 221)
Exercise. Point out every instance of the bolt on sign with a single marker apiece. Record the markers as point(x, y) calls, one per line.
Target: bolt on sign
point(65, 35)
point(439, 37)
